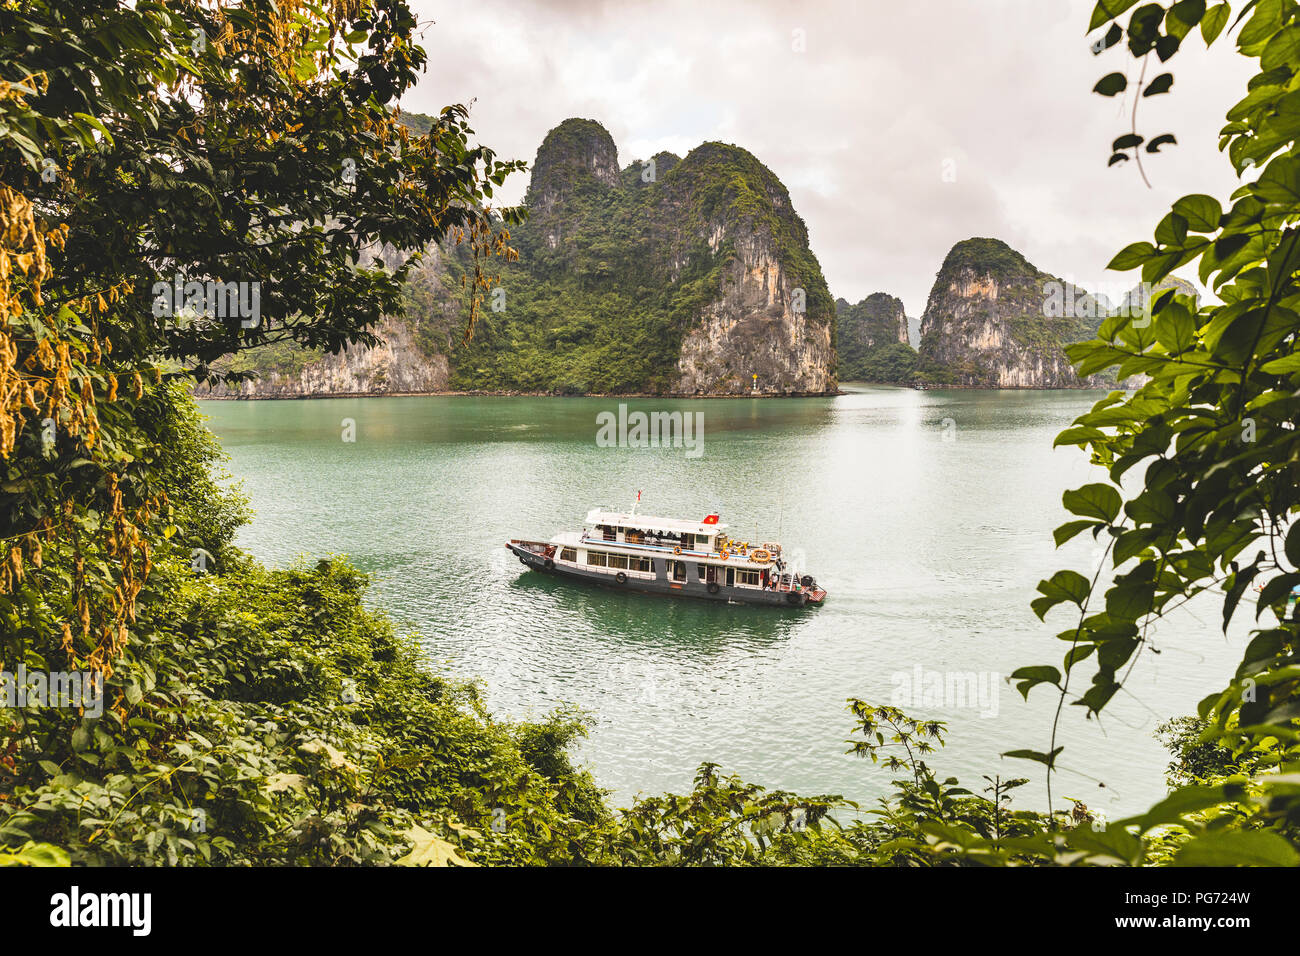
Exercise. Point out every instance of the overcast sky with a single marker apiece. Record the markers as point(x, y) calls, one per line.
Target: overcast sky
point(860, 125)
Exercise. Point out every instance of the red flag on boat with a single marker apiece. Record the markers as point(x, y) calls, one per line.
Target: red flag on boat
point(710, 519)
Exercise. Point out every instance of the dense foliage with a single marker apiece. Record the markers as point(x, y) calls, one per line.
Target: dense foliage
point(1208, 444)
point(267, 717)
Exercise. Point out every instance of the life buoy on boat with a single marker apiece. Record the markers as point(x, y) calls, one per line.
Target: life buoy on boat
point(677, 549)
point(760, 556)
point(621, 578)
point(723, 555)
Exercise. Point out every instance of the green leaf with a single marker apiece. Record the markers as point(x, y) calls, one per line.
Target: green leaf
point(1264, 22)
point(1107, 10)
point(1111, 84)
point(1282, 50)
point(1048, 759)
point(1111, 843)
point(1172, 231)
point(1161, 84)
point(1113, 36)
point(1201, 212)
point(1030, 677)
point(1132, 256)
point(1184, 15)
point(81, 737)
point(1130, 544)
point(1063, 586)
point(1128, 601)
point(1237, 848)
point(1172, 808)
point(428, 849)
point(1093, 501)
point(1213, 21)
point(1078, 435)
point(1292, 546)
point(1283, 366)
point(1071, 528)
point(1175, 329)
point(1280, 182)
point(34, 854)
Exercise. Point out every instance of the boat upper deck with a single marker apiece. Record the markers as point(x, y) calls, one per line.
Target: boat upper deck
point(619, 519)
point(734, 557)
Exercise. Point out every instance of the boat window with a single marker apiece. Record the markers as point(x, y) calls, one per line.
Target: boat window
point(596, 558)
point(618, 561)
point(747, 579)
point(646, 564)
point(679, 570)
point(568, 554)
point(702, 570)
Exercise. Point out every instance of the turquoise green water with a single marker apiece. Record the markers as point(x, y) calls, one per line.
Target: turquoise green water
point(926, 515)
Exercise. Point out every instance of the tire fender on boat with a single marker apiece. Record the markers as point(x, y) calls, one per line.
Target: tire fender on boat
point(621, 578)
point(713, 587)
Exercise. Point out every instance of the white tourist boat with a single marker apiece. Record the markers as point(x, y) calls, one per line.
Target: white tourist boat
point(672, 556)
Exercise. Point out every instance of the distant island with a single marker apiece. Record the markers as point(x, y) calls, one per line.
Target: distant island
point(687, 277)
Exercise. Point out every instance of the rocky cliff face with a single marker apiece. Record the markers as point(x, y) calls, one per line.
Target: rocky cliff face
point(873, 324)
point(576, 159)
point(769, 324)
point(991, 323)
point(397, 366)
point(754, 336)
point(684, 276)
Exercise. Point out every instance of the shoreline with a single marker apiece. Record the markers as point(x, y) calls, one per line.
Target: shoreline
point(499, 394)
point(623, 395)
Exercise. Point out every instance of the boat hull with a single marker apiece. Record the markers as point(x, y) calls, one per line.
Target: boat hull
point(534, 555)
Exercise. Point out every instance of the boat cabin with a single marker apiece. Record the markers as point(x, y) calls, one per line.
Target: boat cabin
point(623, 528)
